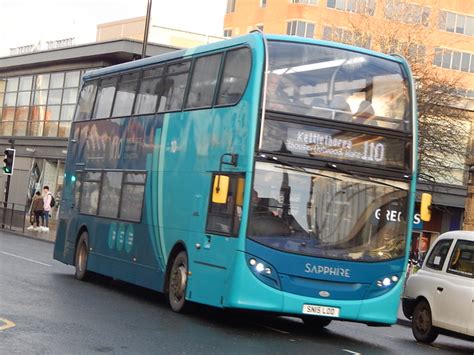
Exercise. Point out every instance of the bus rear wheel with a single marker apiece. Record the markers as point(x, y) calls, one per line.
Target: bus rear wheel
point(82, 255)
point(177, 283)
point(316, 322)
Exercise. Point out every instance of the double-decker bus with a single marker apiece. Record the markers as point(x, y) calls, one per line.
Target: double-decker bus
point(264, 172)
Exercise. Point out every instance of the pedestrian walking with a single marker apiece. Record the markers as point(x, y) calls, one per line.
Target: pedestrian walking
point(37, 207)
point(47, 199)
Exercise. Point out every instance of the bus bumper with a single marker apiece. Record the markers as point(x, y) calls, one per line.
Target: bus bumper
point(248, 292)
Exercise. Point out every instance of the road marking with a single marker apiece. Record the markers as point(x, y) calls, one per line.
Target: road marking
point(351, 352)
point(270, 328)
point(275, 329)
point(21, 257)
point(8, 324)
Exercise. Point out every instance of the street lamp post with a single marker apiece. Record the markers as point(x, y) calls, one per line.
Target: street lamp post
point(147, 27)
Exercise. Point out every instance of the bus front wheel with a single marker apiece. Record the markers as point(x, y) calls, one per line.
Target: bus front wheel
point(177, 283)
point(82, 254)
point(316, 322)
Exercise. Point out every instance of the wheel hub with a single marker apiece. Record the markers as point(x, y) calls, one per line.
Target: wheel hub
point(178, 282)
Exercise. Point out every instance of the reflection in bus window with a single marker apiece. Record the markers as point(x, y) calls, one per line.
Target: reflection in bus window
point(203, 83)
point(235, 76)
point(147, 95)
point(331, 83)
point(105, 97)
point(86, 102)
point(327, 214)
point(125, 95)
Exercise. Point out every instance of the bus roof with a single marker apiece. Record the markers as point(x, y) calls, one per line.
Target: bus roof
point(183, 53)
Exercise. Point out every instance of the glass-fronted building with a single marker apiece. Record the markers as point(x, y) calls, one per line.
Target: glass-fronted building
point(38, 94)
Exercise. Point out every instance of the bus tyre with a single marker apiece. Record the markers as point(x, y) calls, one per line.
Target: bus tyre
point(316, 322)
point(421, 323)
point(82, 255)
point(177, 283)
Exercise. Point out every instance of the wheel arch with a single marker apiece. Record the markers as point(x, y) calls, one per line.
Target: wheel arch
point(177, 248)
point(83, 228)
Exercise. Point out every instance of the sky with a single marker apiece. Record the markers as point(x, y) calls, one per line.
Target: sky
point(25, 22)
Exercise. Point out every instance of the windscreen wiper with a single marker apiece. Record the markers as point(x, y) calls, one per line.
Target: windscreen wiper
point(285, 162)
point(361, 177)
point(291, 166)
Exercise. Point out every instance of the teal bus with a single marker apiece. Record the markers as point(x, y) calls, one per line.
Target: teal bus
point(264, 172)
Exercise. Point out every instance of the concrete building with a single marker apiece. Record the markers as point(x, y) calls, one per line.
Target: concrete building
point(38, 93)
point(445, 31)
point(133, 28)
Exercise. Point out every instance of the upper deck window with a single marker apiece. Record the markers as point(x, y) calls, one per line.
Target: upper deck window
point(105, 98)
point(148, 93)
point(235, 76)
point(337, 84)
point(125, 95)
point(174, 87)
point(86, 102)
point(203, 83)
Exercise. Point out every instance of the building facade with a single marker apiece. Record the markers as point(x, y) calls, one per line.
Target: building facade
point(134, 29)
point(38, 94)
point(441, 34)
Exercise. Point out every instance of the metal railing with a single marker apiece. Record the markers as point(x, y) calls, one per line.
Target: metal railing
point(13, 216)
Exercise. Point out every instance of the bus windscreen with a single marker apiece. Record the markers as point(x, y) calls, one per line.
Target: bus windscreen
point(329, 215)
point(335, 84)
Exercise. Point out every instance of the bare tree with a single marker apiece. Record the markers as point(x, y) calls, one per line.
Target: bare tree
point(444, 125)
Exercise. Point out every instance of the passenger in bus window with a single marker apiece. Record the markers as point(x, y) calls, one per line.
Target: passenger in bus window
point(278, 97)
point(342, 110)
point(365, 114)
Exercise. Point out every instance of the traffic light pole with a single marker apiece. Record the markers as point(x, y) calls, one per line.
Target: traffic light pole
point(7, 189)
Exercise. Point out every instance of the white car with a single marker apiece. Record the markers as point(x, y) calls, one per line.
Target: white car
point(439, 298)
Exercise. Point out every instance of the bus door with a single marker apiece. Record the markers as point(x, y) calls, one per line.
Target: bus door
point(214, 252)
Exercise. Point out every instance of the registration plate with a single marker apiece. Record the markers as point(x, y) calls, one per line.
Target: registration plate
point(321, 310)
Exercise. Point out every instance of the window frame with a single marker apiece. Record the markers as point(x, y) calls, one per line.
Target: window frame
point(435, 248)
point(123, 183)
point(85, 180)
point(232, 175)
point(125, 172)
point(117, 87)
point(190, 73)
point(216, 86)
point(455, 272)
point(221, 74)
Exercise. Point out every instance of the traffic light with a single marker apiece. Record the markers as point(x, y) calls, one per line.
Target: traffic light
point(8, 161)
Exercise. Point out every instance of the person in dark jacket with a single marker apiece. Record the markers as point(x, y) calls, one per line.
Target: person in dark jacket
point(37, 208)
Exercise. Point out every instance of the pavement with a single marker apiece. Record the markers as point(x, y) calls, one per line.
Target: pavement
point(50, 237)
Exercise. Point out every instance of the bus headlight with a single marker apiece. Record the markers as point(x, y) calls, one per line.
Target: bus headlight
point(387, 281)
point(382, 285)
point(264, 272)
